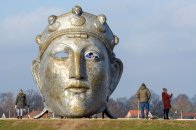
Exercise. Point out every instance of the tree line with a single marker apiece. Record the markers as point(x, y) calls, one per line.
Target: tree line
point(119, 106)
point(180, 103)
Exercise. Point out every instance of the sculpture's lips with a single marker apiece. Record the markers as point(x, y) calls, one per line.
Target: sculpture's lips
point(77, 88)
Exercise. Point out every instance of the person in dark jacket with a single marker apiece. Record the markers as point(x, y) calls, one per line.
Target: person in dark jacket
point(143, 96)
point(20, 103)
point(166, 102)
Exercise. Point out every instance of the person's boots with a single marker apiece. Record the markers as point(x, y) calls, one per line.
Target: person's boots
point(18, 117)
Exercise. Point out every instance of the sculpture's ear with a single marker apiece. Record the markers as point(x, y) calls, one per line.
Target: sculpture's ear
point(36, 75)
point(35, 72)
point(117, 69)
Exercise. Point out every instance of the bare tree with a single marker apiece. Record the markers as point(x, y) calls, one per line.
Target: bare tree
point(194, 103)
point(7, 103)
point(118, 107)
point(133, 102)
point(156, 105)
point(34, 100)
point(183, 103)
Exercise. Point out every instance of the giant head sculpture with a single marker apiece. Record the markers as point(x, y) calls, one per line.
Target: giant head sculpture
point(76, 70)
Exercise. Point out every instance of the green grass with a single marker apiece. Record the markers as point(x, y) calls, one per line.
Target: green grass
point(95, 124)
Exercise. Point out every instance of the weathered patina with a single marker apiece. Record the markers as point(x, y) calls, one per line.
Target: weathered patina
point(76, 70)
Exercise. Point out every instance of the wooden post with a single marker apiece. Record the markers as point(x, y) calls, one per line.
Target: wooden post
point(138, 107)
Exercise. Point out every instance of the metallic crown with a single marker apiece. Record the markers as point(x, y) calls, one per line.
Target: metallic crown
point(77, 24)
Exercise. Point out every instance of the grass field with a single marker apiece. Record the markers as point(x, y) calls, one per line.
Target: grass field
point(95, 124)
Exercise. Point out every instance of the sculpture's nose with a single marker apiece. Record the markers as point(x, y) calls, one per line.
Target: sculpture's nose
point(77, 67)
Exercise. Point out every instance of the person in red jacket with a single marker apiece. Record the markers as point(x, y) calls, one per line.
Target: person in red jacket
point(166, 102)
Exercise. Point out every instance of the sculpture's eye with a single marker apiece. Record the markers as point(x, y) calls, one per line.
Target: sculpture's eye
point(61, 55)
point(92, 56)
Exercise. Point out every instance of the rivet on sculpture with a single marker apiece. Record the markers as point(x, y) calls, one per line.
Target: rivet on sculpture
point(76, 70)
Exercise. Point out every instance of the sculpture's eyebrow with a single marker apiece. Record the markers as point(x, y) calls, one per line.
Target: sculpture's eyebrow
point(60, 47)
point(93, 48)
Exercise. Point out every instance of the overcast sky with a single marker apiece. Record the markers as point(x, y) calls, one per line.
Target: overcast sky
point(157, 41)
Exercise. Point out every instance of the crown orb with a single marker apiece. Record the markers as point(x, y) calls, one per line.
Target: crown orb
point(102, 19)
point(77, 10)
point(52, 19)
point(38, 39)
point(78, 21)
point(116, 40)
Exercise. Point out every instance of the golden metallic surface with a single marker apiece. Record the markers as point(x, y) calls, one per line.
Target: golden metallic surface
point(76, 70)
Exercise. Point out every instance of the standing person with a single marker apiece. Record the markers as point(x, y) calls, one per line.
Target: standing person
point(143, 95)
point(166, 102)
point(20, 103)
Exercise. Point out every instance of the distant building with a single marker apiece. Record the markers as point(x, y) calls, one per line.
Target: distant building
point(136, 114)
point(184, 115)
point(188, 115)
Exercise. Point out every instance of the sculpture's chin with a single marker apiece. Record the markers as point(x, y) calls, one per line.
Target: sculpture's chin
point(76, 103)
point(75, 107)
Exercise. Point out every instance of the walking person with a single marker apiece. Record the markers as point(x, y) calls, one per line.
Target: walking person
point(166, 98)
point(20, 103)
point(143, 96)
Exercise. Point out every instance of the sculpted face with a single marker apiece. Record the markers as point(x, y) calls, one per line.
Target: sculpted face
point(72, 79)
point(76, 70)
